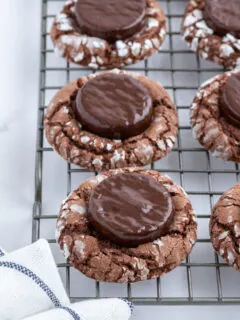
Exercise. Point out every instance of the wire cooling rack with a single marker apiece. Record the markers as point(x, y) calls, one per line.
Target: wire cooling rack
point(203, 278)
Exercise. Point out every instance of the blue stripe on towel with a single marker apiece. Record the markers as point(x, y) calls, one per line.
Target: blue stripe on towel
point(129, 303)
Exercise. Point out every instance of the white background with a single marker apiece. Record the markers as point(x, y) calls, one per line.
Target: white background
point(19, 70)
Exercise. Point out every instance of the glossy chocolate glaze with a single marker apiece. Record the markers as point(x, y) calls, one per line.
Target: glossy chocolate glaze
point(114, 106)
point(130, 209)
point(230, 99)
point(223, 16)
point(110, 19)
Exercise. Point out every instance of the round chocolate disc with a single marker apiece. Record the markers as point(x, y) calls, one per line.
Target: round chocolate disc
point(110, 19)
point(230, 100)
point(223, 16)
point(130, 209)
point(114, 106)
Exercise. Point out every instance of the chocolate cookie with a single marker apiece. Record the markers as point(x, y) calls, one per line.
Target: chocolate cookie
point(132, 107)
point(211, 28)
point(215, 116)
point(225, 226)
point(123, 33)
point(166, 225)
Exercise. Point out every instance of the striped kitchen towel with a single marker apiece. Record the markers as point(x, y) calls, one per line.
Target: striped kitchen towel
point(31, 289)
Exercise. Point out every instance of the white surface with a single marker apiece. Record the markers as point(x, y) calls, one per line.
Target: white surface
point(19, 62)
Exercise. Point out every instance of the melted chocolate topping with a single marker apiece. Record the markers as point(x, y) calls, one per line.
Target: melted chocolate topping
point(114, 106)
point(130, 209)
point(110, 19)
point(223, 16)
point(230, 99)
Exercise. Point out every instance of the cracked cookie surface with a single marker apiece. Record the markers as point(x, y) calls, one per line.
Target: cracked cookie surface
point(105, 261)
point(85, 149)
point(223, 50)
point(98, 53)
point(211, 129)
point(225, 226)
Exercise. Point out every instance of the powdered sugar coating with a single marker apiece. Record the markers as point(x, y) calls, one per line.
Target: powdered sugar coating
point(225, 226)
point(66, 251)
point(97, 153)
point(104, 261)
point(81, 49)
point(209, 127)
point(201, 39)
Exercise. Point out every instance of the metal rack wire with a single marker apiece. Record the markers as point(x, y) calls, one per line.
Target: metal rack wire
point(203, 177)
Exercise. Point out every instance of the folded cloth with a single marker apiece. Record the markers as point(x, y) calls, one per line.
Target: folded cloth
point(104, 309)
point(31, 289)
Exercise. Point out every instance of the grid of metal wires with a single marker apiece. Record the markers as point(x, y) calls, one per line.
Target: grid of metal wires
point(203, 278)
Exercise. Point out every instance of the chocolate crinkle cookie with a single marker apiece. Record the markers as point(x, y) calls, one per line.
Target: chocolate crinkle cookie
point(110, 120)
point(106, 34)
point(126, 225)
point(215, 116)
point(225, 226)
point(212, 29)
